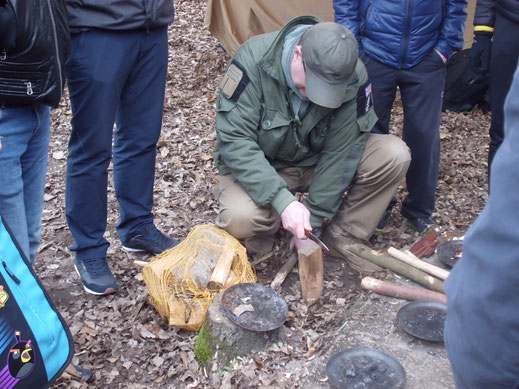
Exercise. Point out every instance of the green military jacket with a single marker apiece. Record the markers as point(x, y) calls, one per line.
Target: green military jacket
point(257, 133)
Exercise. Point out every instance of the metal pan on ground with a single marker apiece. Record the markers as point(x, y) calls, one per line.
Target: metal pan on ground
point(449, 252)
point(423, 319)
point(254, 307)
point(364, 368)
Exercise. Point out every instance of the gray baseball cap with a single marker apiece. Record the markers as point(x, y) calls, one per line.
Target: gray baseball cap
point(330, 55)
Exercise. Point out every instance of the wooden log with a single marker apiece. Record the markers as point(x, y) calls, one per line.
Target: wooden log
point(402, 291)
point(231, 279)
point(282, 274)
point(221, 270)
point(418, 263)
point(397, 266)
point(310, 262)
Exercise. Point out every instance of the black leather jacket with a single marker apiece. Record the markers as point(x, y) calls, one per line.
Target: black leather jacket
point(34, 41)
point(119, 15)
point(486, 11)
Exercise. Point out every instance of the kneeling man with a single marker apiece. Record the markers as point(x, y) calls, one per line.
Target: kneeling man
point(294, 114)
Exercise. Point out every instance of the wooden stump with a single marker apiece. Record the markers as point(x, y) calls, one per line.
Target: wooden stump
point(220, 340)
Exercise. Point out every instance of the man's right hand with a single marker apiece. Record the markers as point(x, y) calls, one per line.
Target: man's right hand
point(480, 52)
point(296, 219)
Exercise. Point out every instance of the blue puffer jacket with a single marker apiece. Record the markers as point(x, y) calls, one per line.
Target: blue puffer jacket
point(400, 33)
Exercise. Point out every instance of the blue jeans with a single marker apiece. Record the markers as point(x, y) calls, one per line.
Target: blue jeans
point(113, 76)
point(23, 164)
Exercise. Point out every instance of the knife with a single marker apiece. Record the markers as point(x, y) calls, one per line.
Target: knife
point(311, 236)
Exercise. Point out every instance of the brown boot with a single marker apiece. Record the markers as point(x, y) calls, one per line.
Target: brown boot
point(339, 244)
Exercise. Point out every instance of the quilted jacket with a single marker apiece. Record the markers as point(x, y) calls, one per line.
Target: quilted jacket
point(400, 33)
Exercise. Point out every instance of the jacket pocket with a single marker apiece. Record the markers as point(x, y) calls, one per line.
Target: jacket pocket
point(21, 84)
point(224, 105)
point(318, 134)
point(272, 134)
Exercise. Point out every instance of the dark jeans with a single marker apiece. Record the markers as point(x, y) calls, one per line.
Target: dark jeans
point(421, 89)
point(113, 77)
point(503, 61)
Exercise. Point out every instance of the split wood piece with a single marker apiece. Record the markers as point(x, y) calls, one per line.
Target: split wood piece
point(263, 258)
point(231, 279)
point(221, 270)
point(310, 260)
point(402, 291)
point(397, 266)
point(425, 246)
point(140, 263)
point(284, 271)
point(418, 263)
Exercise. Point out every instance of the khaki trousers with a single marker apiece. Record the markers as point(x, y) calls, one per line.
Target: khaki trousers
point(379, 173)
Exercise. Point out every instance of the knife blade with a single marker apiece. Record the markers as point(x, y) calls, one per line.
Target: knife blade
point(311, 236)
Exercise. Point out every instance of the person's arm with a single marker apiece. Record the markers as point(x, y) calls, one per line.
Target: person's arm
point(347, 14)
point(7, 26)
point(484, 20)
point(237, 121)
point(451, 34)
point(341, 151)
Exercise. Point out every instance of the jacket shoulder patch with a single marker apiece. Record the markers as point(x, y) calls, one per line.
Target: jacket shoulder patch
point(364, 99)
point(234, 81)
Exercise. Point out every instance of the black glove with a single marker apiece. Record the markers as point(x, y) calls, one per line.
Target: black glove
point(480, 52)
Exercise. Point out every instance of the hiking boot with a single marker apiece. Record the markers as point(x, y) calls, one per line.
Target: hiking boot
point(95, 276)
point(420, 224)
point(339, 244)
point(388, 214)
point(149, 238)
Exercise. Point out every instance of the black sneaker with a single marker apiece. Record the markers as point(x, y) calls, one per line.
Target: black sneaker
point(420, 224)
point(150, 239)
point(96, 276)
point(388, 214)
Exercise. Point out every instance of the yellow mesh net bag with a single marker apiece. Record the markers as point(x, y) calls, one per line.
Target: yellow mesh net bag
point(177, 280)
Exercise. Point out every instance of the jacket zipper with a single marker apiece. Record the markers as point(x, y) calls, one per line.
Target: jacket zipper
point(407, 26)
point(55, 32)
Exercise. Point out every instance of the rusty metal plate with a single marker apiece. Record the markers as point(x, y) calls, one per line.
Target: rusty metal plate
point(423, 319)
point(449, 252)
point(255, 307)
point(364, 368)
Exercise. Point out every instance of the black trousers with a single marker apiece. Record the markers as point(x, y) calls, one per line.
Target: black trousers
point(421, 89)
point(503, 61)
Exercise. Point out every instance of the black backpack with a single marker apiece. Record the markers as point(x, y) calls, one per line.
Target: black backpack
point(464, 88)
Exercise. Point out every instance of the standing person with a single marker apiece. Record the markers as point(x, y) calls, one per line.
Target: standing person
point(116, 72)
point(496, 49)
point(482, 327)
point(405, 44)
point(294, 114)
point(34, 41)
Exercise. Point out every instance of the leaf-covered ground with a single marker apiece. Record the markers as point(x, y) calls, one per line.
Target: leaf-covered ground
point(121, 337)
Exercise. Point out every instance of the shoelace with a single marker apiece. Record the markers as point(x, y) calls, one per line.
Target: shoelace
point(96, 267)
